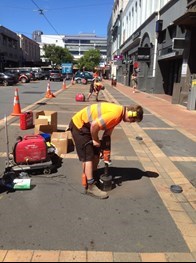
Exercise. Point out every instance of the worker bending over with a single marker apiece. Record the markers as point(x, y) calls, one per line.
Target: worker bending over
point(85, 126)
point(95, 87)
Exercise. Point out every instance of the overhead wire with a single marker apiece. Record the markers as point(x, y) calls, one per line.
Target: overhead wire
point(42, 13)
point(53, 9)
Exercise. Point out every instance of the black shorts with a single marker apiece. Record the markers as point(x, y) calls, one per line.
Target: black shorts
point(91, 89)
point(83, 143)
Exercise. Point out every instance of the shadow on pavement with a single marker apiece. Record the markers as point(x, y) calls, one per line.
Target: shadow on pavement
point(127, 173)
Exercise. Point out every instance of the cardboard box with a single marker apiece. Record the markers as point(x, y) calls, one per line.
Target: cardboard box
point(60, 141)
point(46, 118)
point(43, 129)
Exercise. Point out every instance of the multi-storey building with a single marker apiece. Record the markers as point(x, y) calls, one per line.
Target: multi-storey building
point(17, 50)
point(30, 51)
point(10, 52)
point(116, 37)
point(76, 44)
point(157, 37)
point(42, 40)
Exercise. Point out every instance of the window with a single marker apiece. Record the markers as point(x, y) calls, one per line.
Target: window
point(172, 31)
point(85, 41)
point(73, 41)
point(162, 36)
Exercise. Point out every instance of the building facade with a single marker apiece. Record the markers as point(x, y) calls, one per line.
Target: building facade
point(116, 37)
point(43, 40)
point(156, 38)
point(78, 44)
point(30, 51)
point(10, 51)
point(17, 50)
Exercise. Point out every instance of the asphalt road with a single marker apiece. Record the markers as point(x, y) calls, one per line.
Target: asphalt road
point(56, 214)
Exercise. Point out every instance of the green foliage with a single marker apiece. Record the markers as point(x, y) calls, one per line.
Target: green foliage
point(90, 60)
point(58, 55)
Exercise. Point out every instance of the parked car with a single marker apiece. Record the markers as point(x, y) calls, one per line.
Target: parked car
point(80, 76)
point(39, 75)
point(28, 73)
point(24, 76)
point(8, 79)
point(56, 75)
point(46, 74)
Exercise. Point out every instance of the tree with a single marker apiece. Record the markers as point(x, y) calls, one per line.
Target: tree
point(58, 55)
point(90, 60)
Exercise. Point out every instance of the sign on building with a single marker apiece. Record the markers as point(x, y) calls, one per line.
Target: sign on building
point(143, 54)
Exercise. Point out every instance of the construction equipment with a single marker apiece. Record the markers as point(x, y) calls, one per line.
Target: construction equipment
point(105, 180)
point(80, 97)
point(64, 84)
point(16, 108)
point(9, 179)
point(30, 155)
point(49, 94)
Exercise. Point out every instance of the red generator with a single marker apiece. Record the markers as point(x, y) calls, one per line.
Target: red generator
point(31, 149)
point(80, 97)
point(26, 120)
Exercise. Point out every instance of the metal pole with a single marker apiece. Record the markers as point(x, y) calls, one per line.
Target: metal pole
point(6, 139)
point(156, 43)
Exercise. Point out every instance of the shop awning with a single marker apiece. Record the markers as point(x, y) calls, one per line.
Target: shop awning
point(188, 19)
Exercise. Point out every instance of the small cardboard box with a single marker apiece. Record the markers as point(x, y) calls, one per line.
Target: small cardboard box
point(60, 141)
point(46, 118)
point(43, 129)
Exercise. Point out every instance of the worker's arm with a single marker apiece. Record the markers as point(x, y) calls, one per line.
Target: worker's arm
point(94, 133)
point(108, 132)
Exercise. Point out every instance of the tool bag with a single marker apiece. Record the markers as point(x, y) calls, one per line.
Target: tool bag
point(80, 97)
point(31, 149)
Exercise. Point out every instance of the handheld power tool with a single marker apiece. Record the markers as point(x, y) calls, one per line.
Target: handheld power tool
point(106, 179)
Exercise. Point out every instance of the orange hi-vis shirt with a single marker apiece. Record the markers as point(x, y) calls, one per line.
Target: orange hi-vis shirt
point(95, 75)
point(107, 115)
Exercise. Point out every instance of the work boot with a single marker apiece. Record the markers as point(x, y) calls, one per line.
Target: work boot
point(96, 192)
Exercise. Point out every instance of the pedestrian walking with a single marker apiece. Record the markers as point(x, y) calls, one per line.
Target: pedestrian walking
point(134, 81)
point(85, 126)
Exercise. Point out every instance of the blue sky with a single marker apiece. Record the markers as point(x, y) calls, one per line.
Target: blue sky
point(60, 16)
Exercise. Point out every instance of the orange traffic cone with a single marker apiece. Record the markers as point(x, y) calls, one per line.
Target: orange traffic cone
point(16, 109)
point(64, 84)
point(49, 94)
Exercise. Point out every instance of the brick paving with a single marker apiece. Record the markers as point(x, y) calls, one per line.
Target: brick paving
point(176, 115)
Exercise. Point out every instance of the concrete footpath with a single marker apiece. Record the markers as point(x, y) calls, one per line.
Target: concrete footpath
point(154, 224)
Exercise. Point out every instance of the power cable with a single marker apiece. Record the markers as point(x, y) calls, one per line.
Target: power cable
point(42, 13)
